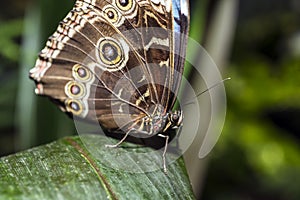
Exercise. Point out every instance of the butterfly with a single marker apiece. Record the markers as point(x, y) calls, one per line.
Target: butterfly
point(118, 63)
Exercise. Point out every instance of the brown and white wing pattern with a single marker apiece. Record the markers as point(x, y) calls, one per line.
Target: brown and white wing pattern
point(118, 62)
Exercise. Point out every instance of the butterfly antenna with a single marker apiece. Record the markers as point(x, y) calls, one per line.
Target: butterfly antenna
point(206, 90)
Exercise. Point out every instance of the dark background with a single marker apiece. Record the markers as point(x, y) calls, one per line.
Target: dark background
point(258, 154)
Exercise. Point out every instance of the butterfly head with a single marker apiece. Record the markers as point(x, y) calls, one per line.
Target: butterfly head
point(174, 120)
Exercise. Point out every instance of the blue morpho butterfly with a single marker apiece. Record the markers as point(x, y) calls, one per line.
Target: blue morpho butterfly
point(114, 62)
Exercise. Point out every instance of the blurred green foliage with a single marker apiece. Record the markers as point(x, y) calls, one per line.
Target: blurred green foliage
point(258, 154)
point(8, 32)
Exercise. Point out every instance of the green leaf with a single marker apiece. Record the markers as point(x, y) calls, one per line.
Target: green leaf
point(65, 169)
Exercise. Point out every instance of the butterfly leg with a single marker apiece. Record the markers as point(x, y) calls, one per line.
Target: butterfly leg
point(165, 151)
point(124, 138)
point(120, 142)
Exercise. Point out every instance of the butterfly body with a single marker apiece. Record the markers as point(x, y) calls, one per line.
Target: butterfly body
point(117, 62)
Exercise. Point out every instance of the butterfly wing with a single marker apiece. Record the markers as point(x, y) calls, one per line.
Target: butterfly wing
point(111, 61)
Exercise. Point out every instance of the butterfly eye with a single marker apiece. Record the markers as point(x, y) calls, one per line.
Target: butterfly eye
point(110, 52)
point(74, 106)
point(74, 89)
point(80, 73)
point(125, 5)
